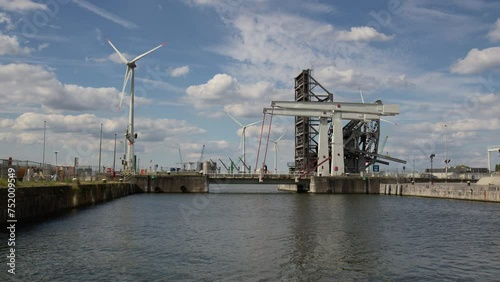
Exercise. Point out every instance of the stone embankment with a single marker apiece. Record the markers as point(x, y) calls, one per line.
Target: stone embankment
point(457, 191)
point(31, 202)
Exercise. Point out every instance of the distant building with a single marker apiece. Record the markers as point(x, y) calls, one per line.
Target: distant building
point(460, 171)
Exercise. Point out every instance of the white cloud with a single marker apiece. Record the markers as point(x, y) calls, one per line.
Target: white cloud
point(438, 20)
point(245, 100)
point(180, 71)
point(217, 90)
point(113, 57)
point(9, 45)
point(43, 46)
point(317, 7)
point(322, 30)
point(346, 78)
point(400, 81)
point(105, 14)
point(21, 5)
point(34, 86)
point(5, 19)
point(265, 47)
point(78, 135)
point(363, 33)
point(494, 34)
point(478, 61)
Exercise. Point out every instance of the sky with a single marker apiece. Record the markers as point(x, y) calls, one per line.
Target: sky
point(438, 60)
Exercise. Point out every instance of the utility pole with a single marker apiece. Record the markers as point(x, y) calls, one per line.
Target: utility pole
point(100, 147)
point(445, 153)
point(43, 157)
point(432, 174)
point(114, 156)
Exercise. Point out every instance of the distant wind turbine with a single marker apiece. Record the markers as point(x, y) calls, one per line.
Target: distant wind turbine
point(363, 101)
point(243, 134)
point(276, 148)
point(129, 72)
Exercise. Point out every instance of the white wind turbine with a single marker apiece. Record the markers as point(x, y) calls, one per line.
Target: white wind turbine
point(276, 148)
point(130, 135)
point(363, 101)
point(243, 136)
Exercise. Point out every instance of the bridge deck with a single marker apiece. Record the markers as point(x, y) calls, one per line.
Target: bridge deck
point(254, 179)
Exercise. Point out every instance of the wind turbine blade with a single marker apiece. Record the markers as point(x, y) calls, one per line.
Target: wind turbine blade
point(118, 52)
point(388, 121)
point(253, 123)
point(125, 81)
point(362, 98)
point(239, 123)
point(280, 137)
point(150, 51)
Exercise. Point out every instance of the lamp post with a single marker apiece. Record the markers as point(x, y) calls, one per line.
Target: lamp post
point(431, 174)
point(43, 157)
point(446, 160)
point(56, 164)
point(413, 172)
point(114, 156)
point(100, 147)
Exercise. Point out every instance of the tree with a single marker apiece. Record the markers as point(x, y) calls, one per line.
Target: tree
point(497, 167)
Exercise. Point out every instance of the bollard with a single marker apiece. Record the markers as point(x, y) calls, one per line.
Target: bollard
point(468, 182)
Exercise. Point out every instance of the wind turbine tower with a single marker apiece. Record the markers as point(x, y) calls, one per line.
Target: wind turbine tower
point(130, 135)
point(276, 148)
point(243, 136)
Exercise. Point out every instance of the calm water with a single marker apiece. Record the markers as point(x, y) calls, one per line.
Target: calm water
point(263, 237)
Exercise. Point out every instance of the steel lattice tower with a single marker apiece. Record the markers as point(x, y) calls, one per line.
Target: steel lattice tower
point(306, 128)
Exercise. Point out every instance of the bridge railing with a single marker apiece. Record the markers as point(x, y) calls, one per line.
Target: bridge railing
point(238, 175)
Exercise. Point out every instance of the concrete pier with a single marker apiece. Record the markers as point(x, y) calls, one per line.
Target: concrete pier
point(171, 183)
point(339, 185)
point(457, 191)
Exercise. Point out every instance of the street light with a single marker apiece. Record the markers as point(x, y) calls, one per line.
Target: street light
point(100, 149)
point(114, 156)
point(56, 164)
point(446, 160)
point(43, 157)
point(431, 174)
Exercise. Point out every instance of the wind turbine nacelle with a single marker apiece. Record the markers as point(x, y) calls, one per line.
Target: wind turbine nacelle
point(135, 136)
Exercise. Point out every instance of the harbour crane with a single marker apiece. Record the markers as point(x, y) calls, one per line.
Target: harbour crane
point(225, 166)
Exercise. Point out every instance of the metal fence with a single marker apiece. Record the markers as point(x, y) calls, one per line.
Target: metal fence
point(36, 171)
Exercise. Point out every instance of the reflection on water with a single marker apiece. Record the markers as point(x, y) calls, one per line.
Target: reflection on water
point(232, 235)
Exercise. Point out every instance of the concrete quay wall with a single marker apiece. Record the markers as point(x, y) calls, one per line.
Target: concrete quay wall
point(457, 191)
point(346, 184)
point(31, 202)
point(172, 183)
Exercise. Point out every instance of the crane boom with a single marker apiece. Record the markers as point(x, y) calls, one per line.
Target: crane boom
point(225, 166)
